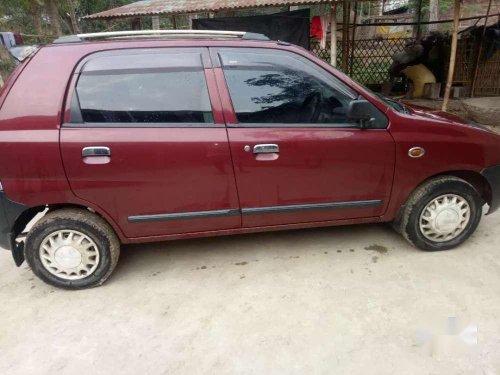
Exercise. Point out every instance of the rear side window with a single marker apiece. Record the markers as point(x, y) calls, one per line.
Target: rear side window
point(144, 88)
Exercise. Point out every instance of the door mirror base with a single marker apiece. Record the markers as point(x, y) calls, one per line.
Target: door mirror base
point(361, 112)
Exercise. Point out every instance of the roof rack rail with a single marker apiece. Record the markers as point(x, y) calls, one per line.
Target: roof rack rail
point(174, 33)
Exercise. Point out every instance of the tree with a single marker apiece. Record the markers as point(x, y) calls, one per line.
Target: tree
point(433, 14)
point(16, 16)
point(53, 14)
point(56, 17)
point(431, 9)
point(36, 16)
point(74, 21)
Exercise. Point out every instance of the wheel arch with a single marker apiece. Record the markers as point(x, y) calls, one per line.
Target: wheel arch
point(474, 178)
point(30, 213)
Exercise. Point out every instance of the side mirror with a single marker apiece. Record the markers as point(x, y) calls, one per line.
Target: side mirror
point(360, 111)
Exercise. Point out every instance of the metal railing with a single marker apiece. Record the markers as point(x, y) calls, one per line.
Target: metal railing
point(168, 33)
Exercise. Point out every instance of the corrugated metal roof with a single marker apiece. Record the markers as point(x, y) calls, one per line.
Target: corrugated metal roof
point(156, 7)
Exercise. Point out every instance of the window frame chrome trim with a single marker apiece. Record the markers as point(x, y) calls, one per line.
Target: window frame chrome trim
point(142, 125)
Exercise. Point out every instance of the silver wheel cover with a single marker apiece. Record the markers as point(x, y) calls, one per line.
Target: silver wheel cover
point(69, 254)
point(444, 218)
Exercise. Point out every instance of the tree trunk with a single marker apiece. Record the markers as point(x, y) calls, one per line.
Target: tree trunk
point(4, 54)
point(53, 14)
point(433, 14)
point(37, 17)
point(74, 21)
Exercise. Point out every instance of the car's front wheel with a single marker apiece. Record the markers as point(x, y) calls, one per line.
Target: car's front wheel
point(441, 214)
point(72, 249)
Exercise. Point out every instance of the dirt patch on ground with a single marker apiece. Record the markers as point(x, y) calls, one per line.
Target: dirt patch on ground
point(378, 248)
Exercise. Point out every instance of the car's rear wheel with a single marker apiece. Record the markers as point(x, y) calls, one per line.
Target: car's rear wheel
point(72, 249)
point(441, 214)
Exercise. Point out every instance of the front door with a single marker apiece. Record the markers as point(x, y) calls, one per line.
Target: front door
point(143, 145)
point(297, 157)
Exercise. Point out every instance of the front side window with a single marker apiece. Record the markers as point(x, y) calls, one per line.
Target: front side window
point(144, 88)
point(279, 87)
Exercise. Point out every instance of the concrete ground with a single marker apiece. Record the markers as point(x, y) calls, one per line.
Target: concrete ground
point(344, 300)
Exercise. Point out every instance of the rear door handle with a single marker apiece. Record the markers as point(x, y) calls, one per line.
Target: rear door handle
point(266, 149)
point(96, 151)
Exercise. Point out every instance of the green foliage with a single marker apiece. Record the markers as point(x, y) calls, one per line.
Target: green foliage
point(85, 7)
point(16, 16)
point(7, 64)
point(444, 5)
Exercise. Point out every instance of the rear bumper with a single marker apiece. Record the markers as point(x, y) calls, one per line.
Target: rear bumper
point(9, 212)
point(492, 175)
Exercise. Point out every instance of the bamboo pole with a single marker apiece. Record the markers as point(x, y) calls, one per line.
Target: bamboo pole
point(353, 43)
point(453, 55)
point(333, 34)
point(476, 68)
point(345, 35)
point(155, 22)
point(418, 34)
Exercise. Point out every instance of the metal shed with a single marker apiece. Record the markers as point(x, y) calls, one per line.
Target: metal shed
point(169, 7)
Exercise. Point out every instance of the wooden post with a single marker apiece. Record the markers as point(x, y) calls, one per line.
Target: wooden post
point(155, 22)
point(342, 44)
point(136, 23)
point(191, 18)
point(345, 36)
point(348, 31)
point(476, 68)
point(353, 43)
point(418, 33)
point(453, 55)
point(333, 34)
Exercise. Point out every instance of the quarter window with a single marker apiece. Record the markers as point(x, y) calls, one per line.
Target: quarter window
point(144, 88)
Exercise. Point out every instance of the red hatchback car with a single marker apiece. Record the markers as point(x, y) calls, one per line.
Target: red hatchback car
point(145, 138)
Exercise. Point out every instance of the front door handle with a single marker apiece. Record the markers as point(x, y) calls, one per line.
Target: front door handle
point(96, 151)
point(266, 149)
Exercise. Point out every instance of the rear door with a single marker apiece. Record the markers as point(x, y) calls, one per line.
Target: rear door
point(146, 142)
point(297, 157)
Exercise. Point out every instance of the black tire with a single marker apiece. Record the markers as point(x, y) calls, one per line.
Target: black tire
point(410, 216)
point(83, 221)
